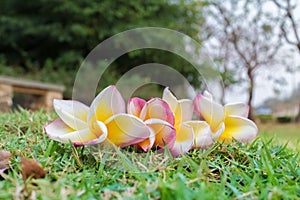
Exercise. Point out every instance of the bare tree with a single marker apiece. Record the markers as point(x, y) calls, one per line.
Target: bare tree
point(289, 22)
point(252, 35)
point(221, 52)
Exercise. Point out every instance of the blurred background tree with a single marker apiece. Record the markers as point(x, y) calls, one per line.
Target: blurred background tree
point(48, 39)
point(247, 36)
point(290, 27)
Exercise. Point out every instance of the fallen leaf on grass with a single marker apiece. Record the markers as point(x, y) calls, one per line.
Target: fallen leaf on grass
point(4, 160)
point(30, 168)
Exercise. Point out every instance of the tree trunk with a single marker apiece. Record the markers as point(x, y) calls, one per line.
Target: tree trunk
point(250, 93)
point(223, 95)
point(298, 116)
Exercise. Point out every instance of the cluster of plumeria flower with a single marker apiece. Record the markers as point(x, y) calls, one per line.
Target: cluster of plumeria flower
point(158, 123)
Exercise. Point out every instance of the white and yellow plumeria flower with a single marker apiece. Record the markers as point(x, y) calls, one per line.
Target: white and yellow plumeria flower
point(232, 117)
point(189, 133)
point(72, 124)
point(104, 120)
point(158, 117)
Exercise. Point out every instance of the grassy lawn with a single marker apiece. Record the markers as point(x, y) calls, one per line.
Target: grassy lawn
point(282, 133)
point(263, 170)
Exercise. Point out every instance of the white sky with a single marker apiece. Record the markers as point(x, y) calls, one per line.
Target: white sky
point(265, 87)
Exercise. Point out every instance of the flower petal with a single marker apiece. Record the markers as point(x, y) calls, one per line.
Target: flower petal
point(158, 109)
point(202, 134)
point(239, 128)
point(165, 133)
point(184, 140)
point(125, 129)
point(219, 131)
point(148, 143)
point(135, 106)
point(237, 109)
point(101, 134)
point(57, 128)
point(73, 113)
point(107, 103)
point(212, 112)
point(170, 99)
point(60, 132)
point(207, 94)
point(184, 111)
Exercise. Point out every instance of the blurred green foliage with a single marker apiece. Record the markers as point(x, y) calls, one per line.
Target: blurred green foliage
point(48, 39)
point(284, 119)
point(264, 118)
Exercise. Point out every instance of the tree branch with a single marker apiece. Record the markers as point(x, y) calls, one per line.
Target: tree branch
point(234, 37)
point(288, 10)
point(278, 4)
point(285, 35)
point(291, 17)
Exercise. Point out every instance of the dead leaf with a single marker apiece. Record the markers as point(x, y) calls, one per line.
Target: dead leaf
point(30, 168)
point(4, 160)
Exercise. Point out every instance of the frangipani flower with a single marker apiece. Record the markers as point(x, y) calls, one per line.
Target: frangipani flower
point(188, 132)
point(104, 120)
point(72, 124)
point(157, 115)
point(232, 117)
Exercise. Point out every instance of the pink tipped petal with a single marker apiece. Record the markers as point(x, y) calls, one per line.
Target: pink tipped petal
point(125, 130)
point(165, 133)
point(212, 112)
point(184, 111)
point(107, 103)
point(184, 140)
point(73, 113)
point(60, 132)
point(135, 106)
point(239, 128)
point(170, 99)
point(237, 109)
point(202, 134)
point(57, 128)
point(158, 109)
point(147, 144)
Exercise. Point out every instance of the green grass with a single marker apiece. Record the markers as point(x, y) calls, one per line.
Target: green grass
point(262, 170)
point(282, 133)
